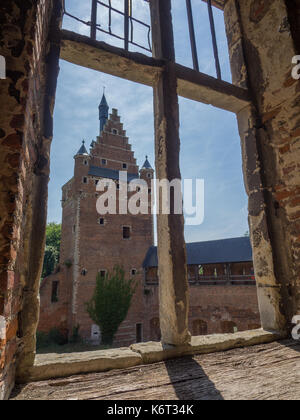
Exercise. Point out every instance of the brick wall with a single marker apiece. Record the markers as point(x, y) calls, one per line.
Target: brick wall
point(215, 306)
point(25, 135)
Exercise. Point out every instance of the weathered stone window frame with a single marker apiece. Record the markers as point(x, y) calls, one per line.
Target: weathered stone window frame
point(273, 249)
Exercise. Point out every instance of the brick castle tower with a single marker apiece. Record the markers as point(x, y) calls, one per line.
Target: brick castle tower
point(93, 243)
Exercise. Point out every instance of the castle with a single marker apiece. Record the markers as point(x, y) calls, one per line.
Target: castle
point(222, 284)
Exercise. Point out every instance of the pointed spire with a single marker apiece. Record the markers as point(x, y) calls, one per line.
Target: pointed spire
point(147, 164)
point(82, 151)
point(103, 111)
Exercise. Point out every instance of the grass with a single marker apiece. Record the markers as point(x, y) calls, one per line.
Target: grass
point(70, 348)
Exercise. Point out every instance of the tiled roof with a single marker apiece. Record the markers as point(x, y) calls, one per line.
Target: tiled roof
point(147, 164)
point(82, 150)
point(210, 252)
point(109, 173)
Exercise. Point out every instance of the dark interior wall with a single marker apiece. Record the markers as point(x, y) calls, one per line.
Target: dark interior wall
point(293, 8)
point(26, 100)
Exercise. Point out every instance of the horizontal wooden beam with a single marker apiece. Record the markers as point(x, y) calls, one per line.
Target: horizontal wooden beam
point(217, 3)
point(207, 89)
point(98, 55)
point(139, 68)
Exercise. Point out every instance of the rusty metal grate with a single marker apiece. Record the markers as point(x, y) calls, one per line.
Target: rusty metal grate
point(129, 23)
point(213, 35)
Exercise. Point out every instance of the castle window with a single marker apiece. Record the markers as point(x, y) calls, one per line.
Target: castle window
point(84, 272)
point(114, 131)
point(124, 165)
point(54, 292)
point(149, 191)
point(74, 228)
point(118, 186)
point(85, 180)
point(96, 181)
point(102, 273)
point(200, 270)
point(126, 232)
point(139, 333)
point(101, 221)
point(149, 175)
point(133, 272)
point(85, 162)
point(104, 161)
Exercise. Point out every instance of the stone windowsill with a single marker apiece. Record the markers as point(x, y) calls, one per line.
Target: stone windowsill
point(50, 366)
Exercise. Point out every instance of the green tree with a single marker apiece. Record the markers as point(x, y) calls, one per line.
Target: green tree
point(52, 250)
point(111, 301)
point(53, 235)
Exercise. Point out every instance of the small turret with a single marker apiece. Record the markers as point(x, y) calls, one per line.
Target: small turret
point(82, 151)
point(147, 164)
point(146, 172)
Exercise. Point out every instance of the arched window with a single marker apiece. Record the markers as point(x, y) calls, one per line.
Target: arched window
point(199, 327)
point(155, 334)
point(228, 327)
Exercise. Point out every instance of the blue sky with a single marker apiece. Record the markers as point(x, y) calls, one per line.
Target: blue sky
point(210, 144)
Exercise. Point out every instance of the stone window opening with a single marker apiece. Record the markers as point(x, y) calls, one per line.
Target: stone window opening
point(54, 292)
point(228, 327)
point(102, 273)
point(155, 333)
point(115, 131)
point(199, 327)
point(101, 221)
point(134, 272)
point(126, 232)
point(201, 270)
point(273, 318)
point(85, 180)
point(104, 161)
point(124, 166)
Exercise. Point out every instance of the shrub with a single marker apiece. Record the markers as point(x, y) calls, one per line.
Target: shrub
point(42, 340)
point(110, 303)
point(75, 338)
point(57, 337)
